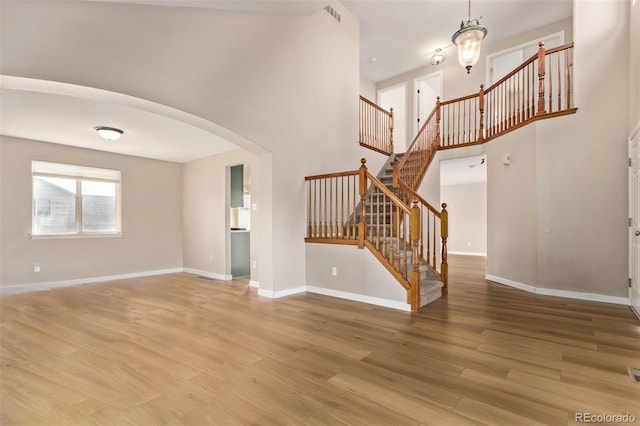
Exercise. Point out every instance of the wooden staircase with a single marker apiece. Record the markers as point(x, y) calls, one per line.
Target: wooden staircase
point(385, 214)
point(378, 214)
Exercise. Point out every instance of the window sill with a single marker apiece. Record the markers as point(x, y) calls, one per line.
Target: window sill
point(76, 236)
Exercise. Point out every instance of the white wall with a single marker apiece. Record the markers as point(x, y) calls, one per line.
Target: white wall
point(205, 209)
point(358, 272)
point(151, 192)
point(582, 163)
point(511, 207)
point(467, 207)
point(367, 88)
point(634, 65)
point(289, 84)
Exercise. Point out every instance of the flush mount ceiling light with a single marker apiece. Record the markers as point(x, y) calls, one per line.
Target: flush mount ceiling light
point(109, 133)
point(469, 40)
point(438, 57)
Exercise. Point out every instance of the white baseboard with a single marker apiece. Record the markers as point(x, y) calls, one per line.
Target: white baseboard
point(560, 293)
point(510, 283)
point(278, 294)
point(254, 284)
point(584, 296)
point(339, 294)
point(208, 274)
point(47, 285)
point(467, 253)
point(387, 303)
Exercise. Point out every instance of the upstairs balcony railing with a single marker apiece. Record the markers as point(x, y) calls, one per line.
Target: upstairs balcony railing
point(542, 87)
point(376, 127)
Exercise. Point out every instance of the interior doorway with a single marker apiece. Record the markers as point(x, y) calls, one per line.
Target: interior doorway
point(396, 97)
point(463, 186)
point(634, 225)
point(426, 91)
point(240, 220)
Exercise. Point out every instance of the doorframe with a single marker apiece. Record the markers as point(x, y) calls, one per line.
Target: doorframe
point(414, 125)
point(634, 222)
point(402, 85)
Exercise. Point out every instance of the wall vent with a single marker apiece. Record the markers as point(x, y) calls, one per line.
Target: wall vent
point(331, 11)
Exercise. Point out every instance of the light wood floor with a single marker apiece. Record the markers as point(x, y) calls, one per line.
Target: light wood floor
point(182, 350)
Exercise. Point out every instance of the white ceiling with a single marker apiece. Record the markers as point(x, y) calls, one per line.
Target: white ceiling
point(399, 34)
point(459, 171)
point(402, 35)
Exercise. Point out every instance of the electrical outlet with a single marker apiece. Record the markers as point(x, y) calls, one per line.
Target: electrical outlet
point(36, 267)
point(334, 271)
point(254, 264)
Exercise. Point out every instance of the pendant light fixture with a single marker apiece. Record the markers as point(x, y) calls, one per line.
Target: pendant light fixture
point(438, 57)
point(469, 40)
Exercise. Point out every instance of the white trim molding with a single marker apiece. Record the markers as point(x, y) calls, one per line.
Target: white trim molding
point(283, 293)
point(387, 303)
point(48, 285)
point(560, 293)
point(378, 301)
point(468, 253)
point(510, 283)
point(208, 274)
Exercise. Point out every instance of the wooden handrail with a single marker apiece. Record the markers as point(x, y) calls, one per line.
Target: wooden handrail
point(558, 49)
point(537, 89)
point(460, 99)
point(416, 196)
point(376, 127)
point(373, 104)
point(393, 197)
point(332, 175)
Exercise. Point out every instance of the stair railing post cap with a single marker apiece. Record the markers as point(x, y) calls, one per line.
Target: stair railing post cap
point(363, 161)
point(444, 206)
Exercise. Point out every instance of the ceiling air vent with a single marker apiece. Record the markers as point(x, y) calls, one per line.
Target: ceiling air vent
point(331, 11)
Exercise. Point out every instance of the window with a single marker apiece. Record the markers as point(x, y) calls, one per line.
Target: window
point(74, 200)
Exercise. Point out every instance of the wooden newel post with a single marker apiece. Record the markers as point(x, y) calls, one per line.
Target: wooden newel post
point(444, 234)
point(391, 131)
point(414, 236)
point(438, 108)
point(396, 175)
point(541, 72)
point(362, 227)
point(481, 107)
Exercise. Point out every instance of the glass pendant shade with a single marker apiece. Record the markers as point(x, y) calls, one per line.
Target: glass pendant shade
point(469, 41)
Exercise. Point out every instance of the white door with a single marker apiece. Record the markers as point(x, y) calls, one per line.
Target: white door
point(396, 97)
point(634, 228)
point(426, 91)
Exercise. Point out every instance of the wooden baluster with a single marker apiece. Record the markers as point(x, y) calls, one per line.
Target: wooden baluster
point(438, 111)
point(309, 212)
point(444, 234)
point(396, 175)
point(428, 237)
point(384, 229)
point(481, 108)
point(559, 83)
point(550, 89)
point(362, 173)
point(354, 225)
point(414, 233)
point(568, 73)
point(541, 72)
point(391, 131)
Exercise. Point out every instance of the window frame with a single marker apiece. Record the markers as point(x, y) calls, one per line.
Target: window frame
point(79, 174)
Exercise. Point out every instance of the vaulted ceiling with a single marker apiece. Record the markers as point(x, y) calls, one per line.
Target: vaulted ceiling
point(395, 36)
